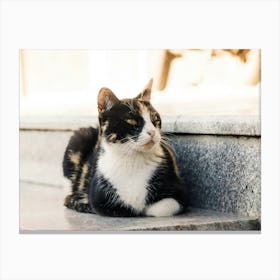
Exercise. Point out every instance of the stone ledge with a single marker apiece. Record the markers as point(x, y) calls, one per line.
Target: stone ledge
point(181, 124)
point(223, 172)
point(46, 214)
point(197, 110)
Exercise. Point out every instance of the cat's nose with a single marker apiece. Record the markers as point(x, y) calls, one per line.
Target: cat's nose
point(151, 133)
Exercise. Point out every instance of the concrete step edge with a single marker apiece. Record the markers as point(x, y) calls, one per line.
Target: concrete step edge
point(246, 125)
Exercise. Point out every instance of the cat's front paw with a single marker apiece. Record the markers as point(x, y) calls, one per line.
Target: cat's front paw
point(78, 202)
point(163, 208)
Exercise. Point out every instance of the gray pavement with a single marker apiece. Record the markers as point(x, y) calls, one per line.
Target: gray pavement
point(42, 211)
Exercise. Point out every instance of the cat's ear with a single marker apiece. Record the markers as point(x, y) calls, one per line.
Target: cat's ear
point(145, 94)
point(106, 100)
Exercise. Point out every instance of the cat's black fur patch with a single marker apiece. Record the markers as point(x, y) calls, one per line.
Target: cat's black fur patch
point(117, 124)
point(105, 201)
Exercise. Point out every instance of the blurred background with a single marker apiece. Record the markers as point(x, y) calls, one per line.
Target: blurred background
point(66, 82)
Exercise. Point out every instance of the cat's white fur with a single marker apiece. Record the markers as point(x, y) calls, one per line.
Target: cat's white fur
point(129, 167)
point(129, 173)
point(163, 208)
point(144, 136)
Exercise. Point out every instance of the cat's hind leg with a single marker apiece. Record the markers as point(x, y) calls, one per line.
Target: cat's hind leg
point(163, 208)
point(76, 167)
point(78, 150)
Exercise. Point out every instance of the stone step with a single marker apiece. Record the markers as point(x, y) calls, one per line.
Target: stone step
point(222, 171)
point(42, 211)
point(216, 135)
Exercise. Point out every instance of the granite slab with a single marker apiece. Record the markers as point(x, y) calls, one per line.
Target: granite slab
point(222, 172)
point(42, 211)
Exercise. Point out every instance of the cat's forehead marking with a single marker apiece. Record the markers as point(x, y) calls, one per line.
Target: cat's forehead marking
point(143, 108)
point(136, 105)
point(130, 104)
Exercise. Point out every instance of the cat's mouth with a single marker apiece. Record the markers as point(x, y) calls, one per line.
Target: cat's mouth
point(149, 144)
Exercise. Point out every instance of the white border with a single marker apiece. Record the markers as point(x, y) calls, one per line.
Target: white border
point(140, 25)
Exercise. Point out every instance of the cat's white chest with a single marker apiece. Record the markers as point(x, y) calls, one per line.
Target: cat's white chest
point(129, 175)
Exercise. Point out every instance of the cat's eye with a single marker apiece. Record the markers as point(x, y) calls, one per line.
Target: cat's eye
point(156, 119)
point(131, 121)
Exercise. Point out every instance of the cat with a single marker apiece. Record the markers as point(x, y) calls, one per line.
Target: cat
point(125, 168)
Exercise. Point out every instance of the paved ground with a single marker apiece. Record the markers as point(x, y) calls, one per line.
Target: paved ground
point(42, 211)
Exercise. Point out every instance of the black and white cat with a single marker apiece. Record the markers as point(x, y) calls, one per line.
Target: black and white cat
point(125, 167)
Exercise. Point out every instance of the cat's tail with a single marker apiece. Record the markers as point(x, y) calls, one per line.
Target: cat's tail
point(79, 147)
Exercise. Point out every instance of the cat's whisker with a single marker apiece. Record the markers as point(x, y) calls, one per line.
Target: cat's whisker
point(167, 140)
point(167, 134)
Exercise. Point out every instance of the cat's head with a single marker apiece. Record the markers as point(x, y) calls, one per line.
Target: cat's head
point(132, 124)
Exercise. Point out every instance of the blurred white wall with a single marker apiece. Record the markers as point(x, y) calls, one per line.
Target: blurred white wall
point(81, 70)
point(61, 82)
point(54, 70)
